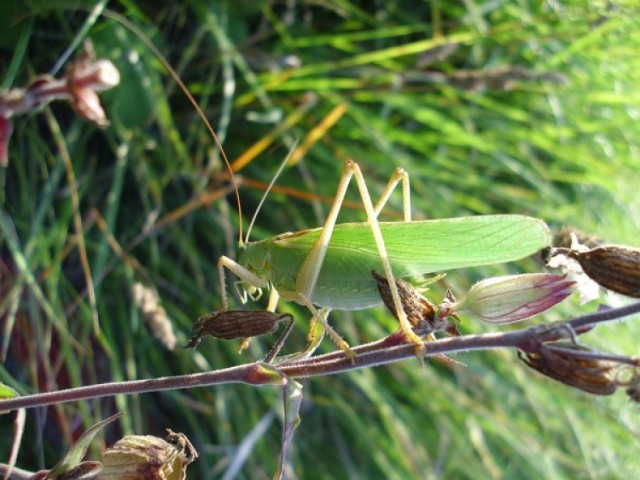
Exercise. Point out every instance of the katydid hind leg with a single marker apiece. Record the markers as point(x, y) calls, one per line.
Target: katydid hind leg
point(310, 269)
point(399, 175)
point(372, 219)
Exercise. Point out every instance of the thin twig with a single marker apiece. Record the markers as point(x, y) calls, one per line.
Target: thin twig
point(367, 355)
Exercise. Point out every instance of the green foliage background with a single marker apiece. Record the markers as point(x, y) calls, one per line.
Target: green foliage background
point(566, 151)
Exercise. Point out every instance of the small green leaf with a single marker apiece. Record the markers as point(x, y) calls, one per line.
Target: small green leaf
point(7, 392)
point(75, 455)
point(292, 393)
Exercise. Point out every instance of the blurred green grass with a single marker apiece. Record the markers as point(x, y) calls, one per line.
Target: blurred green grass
point(564, 151)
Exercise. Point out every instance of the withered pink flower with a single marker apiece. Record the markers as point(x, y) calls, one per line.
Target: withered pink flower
point(84, 80)
point(513, 298)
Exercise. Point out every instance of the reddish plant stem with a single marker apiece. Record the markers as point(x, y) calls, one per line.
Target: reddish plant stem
point(384, 351)
point(240, 374)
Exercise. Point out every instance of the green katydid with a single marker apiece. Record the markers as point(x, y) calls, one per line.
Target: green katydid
point(330, 267)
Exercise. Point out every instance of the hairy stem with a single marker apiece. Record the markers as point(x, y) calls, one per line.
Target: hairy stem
point(377, 353)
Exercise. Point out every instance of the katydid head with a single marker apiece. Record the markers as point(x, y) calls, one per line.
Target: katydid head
point(252, 269)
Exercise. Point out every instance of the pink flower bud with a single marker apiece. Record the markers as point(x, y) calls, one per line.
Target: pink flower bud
point(513, 298)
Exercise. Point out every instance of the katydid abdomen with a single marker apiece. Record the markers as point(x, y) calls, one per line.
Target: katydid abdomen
point(414, 248)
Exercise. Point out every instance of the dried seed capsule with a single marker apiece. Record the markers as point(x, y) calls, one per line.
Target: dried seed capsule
point(231, 324)
point(615, 267)
point(421, 313)
point(570, 364)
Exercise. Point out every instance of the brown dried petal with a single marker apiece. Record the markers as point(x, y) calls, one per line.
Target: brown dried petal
point(615, 267)
point(421, 313)
point(145, 457)
point(230, 324)
point(564, 363)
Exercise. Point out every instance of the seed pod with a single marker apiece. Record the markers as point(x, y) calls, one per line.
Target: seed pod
point(231, 324)
point(421, 313)
point(570, 364)
point(615, 267)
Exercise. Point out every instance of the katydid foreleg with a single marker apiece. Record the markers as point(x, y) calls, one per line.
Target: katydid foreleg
point(399, 175)
point(256, 283)
point(247, 276)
